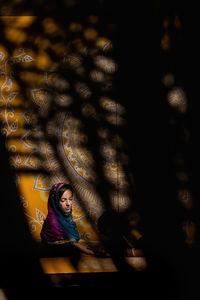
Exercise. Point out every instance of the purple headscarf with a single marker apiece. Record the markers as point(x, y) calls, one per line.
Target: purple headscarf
point(58, 228)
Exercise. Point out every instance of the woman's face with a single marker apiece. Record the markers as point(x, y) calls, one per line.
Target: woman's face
point(66, 201)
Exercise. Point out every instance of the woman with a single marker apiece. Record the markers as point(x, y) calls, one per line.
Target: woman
point(59, 231)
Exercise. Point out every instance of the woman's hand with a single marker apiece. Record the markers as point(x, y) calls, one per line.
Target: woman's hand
point(83, 249)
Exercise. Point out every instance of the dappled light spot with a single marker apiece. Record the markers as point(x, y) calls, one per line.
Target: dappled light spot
point(42, 98)
point(27, 59)
point(83, 90)
point(3, 294)
point(166, 42)
point(63, 100)
point(15, 35)
point(25, 161)
point(88, 110)
point(79, 46)
point(15, 21)
point(97, 76)
point(90, 34)
point(104, 44)
point(120, 201)
point(30, 117)
point(189, 229)
point(114, 119)
point(31, 78)
point(107, 64)
point(177, 99)
point(117, 140)
point(114, 174)
point(24, 21)
point(166, 22)
point(41, 42)
point(12, 121)
point(50, 27)
point(55, 80)
point(103, 133)
point(108, 151)
point(93, 19)
point(43, 61)
point(21, 145)
point(72, 60)
point(3, 54)
point(75, 27)
point(14, 98)
point(168, 79)
point(57, 47)
point(177, 22)
point(111, 105)
point(182, 176)
point(92, 51)
point(185, 197)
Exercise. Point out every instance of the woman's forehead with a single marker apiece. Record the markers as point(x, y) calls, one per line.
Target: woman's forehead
point(67, 193)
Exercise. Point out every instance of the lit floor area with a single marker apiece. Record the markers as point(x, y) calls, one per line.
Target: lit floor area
point(61, 265)
point(93, 276)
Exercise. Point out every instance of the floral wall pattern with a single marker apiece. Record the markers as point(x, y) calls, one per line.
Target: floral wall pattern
point(33, 90)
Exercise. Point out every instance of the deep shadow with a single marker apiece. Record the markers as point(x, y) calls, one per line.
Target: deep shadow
point(19, 256)
point(157, 137)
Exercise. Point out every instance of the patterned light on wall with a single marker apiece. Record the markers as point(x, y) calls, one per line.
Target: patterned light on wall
point(177, 99)
point(50, 94)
